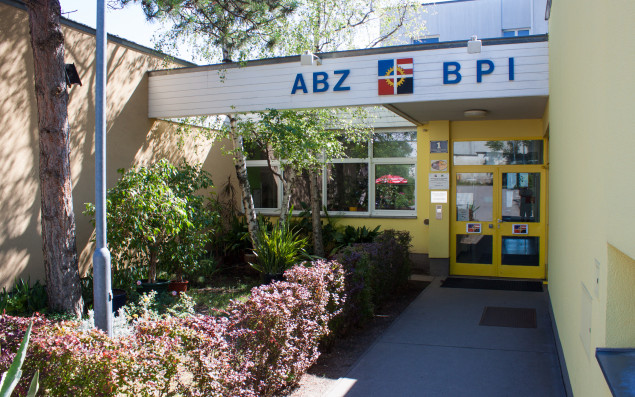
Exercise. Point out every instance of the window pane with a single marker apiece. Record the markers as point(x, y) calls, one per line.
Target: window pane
point(520, 197)
point(395, 144)
point(301, 191)
point(474, 196)
point(264, 187)
point(523, 32)
point(395, 187)
point(509, 33)
point(498, 152)
point(520, 251)
point(474, 248)
point(347, 187)
point(355, 150)
point(426, 40)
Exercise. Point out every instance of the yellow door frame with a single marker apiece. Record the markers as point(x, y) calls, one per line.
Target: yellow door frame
point(498, 229)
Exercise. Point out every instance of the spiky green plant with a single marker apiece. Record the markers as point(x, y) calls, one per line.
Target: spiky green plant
point(280, 248)
point(11, 378)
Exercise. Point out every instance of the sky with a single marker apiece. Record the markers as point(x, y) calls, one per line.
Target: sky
point(128, 23)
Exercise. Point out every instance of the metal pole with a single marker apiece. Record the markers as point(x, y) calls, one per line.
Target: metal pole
point(101, 258)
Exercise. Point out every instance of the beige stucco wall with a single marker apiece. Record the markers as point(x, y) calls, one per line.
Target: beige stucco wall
point(592, 210)
point(132, 138)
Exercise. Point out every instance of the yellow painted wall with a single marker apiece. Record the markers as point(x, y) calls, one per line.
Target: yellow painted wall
point(132, 138)
point(591, 184)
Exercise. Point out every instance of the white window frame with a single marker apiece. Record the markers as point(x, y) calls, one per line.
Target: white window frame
point(515, 30)
point(371, 162)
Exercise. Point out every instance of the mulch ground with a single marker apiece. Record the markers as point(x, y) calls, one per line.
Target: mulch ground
point(346, 351)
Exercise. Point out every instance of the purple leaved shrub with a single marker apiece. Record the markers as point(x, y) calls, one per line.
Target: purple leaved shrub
point(276, 333)
point(260, 347)
point(373, 271)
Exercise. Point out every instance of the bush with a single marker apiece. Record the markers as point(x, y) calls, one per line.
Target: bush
point(373, 272)
point(276, 333)
point(24, 298)
point(260, 347)
point(155, 218)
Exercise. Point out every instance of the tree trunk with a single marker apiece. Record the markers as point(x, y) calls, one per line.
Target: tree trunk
point(152, 268)
point(240, 163)
point(58, 220)
point(287, 185)
point(316, 208)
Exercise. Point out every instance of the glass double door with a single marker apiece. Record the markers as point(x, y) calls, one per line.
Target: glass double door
point(498, 221)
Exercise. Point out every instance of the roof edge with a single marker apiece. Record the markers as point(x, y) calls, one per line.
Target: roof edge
point(353, 53)
point(111, 38)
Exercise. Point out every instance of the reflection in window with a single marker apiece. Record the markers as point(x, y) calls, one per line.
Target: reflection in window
point(520, 197)
point(395, 144)
point(474, 248)
point(301, 191)
point(347, 187)
point(355, 150)
point(498, 152)
point(474, 196)
point(395, 187)
point(264, 187)
point(520, 251)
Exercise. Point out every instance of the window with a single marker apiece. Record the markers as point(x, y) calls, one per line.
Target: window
point(515, 32)
point(375, 178)
point(426, 40)
point(498, 152)
point(264, 187)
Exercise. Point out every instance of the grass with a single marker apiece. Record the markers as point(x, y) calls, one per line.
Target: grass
point(218, 294)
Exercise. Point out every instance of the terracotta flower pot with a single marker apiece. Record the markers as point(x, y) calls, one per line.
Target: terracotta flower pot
point(178, 286)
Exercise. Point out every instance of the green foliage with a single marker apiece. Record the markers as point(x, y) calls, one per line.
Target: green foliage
point(156, 218)
point(220, 28)
point(351, 235)
point(280, 248)
point(11, 378)
point(332, 25)
point(24, 298)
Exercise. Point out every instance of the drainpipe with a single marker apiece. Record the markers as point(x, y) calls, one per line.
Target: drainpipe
point(102, 292)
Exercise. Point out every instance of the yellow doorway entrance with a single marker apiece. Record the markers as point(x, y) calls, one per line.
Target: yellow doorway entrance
point(499, 211)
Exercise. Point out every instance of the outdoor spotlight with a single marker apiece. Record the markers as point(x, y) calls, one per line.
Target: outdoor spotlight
point(309, 58)
point(72, 77)
point(474, 45)
point(475, 113)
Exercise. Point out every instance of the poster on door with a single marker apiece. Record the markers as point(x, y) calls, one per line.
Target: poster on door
point(473, 228)
point(522, 228)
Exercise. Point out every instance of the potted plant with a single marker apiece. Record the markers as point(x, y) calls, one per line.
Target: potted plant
point(156, 220)
point(279, 248)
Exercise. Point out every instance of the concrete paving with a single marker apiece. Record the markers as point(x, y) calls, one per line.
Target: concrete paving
point(437, 348)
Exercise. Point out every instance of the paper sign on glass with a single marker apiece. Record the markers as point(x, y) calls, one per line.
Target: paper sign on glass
point(439, 196)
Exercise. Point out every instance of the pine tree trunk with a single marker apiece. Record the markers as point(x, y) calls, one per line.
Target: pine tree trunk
point(287, 185)
point(240, 163)
point(58, 220)
point(316, 208)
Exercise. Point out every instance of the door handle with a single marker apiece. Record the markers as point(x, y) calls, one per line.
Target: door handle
point(499, 220)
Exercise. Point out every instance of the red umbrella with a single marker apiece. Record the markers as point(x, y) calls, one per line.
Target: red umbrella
point(395, 179)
